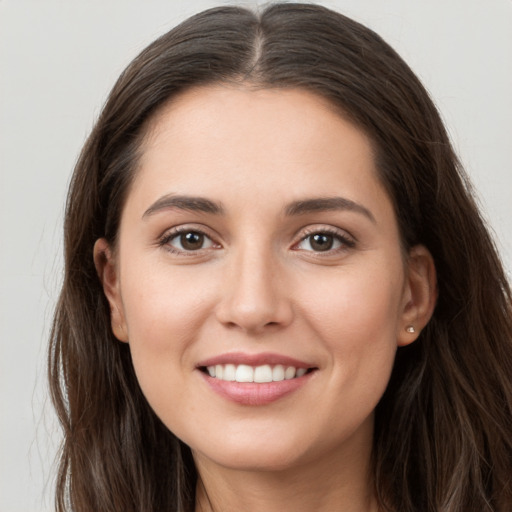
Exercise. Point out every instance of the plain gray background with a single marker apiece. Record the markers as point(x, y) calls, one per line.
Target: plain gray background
point(58, 60)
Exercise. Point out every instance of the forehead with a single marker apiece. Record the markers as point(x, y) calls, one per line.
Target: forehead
point(223, 140)
point(214, 109)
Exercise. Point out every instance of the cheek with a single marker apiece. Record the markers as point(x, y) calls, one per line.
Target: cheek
point(163, 304)
point(164, 313)
point(357, 314)
point(357, 323)
point(362, 300)
point(162, 323)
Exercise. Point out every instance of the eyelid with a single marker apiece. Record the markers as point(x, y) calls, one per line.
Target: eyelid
point(347, 240)
point(174, 232)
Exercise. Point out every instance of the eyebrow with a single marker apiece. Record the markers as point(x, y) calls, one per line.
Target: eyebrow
point(325, 204)
point(301, 207)
point(190, 203)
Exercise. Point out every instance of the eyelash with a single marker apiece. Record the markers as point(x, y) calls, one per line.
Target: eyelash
point(169, 236)
point(346, 242)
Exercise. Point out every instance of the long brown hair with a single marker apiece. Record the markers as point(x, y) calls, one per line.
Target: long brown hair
point(443, 432)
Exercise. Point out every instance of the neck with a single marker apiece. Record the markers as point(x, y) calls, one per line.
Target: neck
point(335, 481)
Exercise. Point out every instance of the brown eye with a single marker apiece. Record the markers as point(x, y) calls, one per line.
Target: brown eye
point(192, 241)
point(321, 242)
point(324, 241)
point(188, 241)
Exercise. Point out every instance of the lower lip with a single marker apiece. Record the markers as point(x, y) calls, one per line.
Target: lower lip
point(252, 393)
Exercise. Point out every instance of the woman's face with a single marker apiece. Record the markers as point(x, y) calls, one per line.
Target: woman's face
point(257, 244)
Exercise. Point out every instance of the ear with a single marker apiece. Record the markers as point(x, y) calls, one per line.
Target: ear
point(420, 295)
point(108, 273)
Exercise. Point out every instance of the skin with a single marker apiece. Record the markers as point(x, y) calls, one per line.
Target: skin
point(258, 284)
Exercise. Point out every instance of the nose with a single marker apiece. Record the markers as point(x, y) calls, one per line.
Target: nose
point(254, 297)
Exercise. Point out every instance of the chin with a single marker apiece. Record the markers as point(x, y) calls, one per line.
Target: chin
point(254, 454)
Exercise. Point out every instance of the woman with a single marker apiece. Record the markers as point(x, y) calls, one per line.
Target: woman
point(279, 293)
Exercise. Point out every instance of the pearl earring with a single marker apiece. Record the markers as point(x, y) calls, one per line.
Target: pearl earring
point(410, 329)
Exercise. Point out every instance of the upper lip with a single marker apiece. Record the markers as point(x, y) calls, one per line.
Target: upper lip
point(254, 360)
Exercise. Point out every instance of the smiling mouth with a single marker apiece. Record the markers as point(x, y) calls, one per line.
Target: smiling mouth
point(257, 374)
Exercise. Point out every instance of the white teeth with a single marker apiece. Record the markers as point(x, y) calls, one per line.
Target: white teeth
point(301, 372)
point(289, 373)
point(244, 373)
point(259, 374)
point(263, 373)
point(278, 373)
point(229, 372)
